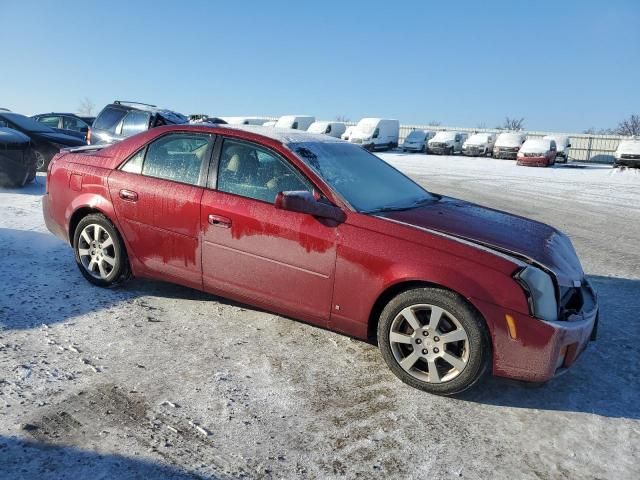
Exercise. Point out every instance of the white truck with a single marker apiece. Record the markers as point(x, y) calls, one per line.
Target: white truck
point(295, 122)
point(447, 143)
point(479, 144)
point(627, 154)
point(508, 145)
point(376, 133)
point(333, 129)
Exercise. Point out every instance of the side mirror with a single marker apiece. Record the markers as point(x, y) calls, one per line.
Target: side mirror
point(305, 202)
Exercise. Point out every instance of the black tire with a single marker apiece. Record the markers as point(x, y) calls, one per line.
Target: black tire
point(451, 151)
point(478, 343)
point(120, 270)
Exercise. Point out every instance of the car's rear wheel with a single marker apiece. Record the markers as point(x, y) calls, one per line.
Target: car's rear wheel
point(434, 341)
point(100, 252)
point(41, 161)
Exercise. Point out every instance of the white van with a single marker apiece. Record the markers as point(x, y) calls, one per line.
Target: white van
point(245, 120)
point(447, 143)
point(508, 145)
point(562, 144)
point(376, 133)
point(627, 154)
point(333, 129)
point(479, 144)
point(295, 122)
point(347, 133)
point(417, 140)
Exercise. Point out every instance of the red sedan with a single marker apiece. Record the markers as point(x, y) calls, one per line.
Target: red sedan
point(323, 231)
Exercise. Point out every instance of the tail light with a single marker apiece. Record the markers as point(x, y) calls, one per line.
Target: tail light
point(89, 137)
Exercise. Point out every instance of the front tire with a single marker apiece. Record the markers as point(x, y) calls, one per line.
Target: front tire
point(434, 341)
point(99, 251)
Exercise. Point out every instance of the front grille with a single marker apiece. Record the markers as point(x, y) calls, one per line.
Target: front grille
point(438, 145)
point(533, 155)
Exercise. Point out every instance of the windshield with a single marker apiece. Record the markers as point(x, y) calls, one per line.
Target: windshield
point(478, 139)
point(366, 182)
point(536, 145)
point(318, 127)
point(26, 123)
point(442, 136)
point(366, 127)
point(416, 135)
point(509, 140)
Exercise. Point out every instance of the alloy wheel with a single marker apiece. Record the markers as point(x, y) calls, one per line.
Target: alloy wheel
point(40, 161)
point(96, 251)
point(429, 343)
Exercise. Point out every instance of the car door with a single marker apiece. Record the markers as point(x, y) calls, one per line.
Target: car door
point(258, 254)
point(156, 194)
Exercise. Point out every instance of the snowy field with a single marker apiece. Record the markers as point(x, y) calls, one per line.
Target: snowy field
point(152, 380)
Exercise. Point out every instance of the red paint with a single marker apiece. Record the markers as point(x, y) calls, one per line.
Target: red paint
point(328, 273)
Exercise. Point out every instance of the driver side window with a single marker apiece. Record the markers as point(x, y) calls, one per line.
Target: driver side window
point(250, 171)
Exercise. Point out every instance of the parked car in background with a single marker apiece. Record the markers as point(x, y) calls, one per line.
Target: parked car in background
point(203, 118)
point(121, 119)
point(296, 223)
point(479, 144)
point(347, 133)
point(416, 141)
point(45, 141)
point(67, 123)
point(333, 129)
point(295, 122)
point(627, 154)
point(245, 120)
point(270, 123)
point(562, 144)
point(537, 152)
point(447, 143)
point(508, 144)
point(17, 160)
point(376, 133)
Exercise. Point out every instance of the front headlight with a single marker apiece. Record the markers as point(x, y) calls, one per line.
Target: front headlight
point(540, 291)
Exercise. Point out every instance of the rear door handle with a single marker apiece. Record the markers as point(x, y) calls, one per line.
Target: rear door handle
point(219, 221)
point(129, 195)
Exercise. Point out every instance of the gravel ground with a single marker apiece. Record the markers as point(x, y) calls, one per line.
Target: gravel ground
point(153, 380)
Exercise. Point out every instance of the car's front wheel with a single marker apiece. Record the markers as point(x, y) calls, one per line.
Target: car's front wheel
point(100, 252)
point(434, 341)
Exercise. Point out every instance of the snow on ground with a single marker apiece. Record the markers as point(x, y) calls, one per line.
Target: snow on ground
point(159, 381)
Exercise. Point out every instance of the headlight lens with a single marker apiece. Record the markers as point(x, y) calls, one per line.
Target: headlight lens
point(540, 291)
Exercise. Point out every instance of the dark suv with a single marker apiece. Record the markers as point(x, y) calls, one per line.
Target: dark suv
point(121, 119)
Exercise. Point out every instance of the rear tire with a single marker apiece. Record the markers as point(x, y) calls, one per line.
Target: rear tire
point(434, 341)
point(100, 252)
point(41, 161)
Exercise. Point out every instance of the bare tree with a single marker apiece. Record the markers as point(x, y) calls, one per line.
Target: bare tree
point(342, 118)
point(86, 107)
point(481, 126)
point(630, 126)
point(513, 123)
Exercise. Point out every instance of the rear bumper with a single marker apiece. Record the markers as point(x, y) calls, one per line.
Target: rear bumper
point(540, 350)
point(627, 162)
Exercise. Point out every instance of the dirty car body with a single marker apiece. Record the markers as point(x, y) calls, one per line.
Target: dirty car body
point(316, 246)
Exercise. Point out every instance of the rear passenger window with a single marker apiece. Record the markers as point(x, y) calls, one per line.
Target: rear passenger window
point(177, 157)
point(52, 122)
point(134, 164)
point(135, 122)
point(109, 118)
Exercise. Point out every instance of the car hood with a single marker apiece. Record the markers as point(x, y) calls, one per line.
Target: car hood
point(523, 238)
point(61, 138)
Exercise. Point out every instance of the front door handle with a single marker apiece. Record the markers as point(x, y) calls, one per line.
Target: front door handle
point(128, 195)
point(219, 221)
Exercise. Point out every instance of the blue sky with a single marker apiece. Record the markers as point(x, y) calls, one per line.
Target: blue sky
point(563, 65)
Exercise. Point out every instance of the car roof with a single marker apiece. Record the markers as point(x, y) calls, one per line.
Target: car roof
point(170, 115)
point(58, 113)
